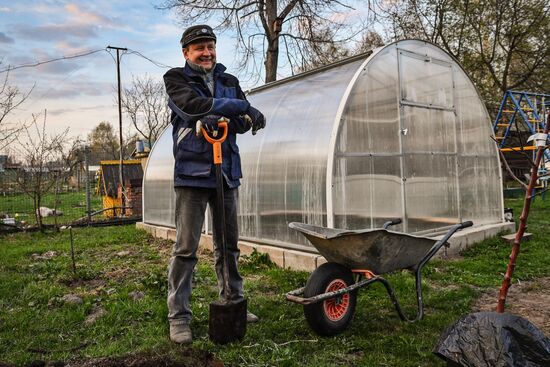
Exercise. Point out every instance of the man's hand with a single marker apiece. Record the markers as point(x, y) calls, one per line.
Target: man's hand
point(210, 124)
point(257, 118)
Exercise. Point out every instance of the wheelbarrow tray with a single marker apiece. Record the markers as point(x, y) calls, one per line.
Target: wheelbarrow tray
point(378, 250)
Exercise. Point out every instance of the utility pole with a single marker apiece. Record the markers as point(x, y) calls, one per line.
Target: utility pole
point(88, 202)
point(120, 167)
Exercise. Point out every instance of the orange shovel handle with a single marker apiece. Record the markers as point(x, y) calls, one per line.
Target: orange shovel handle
point(216, 143)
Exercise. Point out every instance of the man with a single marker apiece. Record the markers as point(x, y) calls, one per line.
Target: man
point(203, 91)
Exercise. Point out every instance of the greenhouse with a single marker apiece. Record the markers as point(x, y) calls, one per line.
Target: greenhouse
point(400, 132)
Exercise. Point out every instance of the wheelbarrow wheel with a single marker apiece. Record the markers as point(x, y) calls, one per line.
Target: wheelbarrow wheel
point(331, 316)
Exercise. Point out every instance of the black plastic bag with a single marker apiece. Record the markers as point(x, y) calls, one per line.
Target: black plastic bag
point(493, 339)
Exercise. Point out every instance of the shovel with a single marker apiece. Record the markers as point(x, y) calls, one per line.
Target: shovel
point(227, 318)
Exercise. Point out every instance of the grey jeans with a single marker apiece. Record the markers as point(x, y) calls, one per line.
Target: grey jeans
point(190, 208)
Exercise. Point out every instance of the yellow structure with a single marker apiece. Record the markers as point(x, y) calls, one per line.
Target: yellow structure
point(108, 182)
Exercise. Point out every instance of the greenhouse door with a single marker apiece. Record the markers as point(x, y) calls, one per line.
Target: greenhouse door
point(428, 138)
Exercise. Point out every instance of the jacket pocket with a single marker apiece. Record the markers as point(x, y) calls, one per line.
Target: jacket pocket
point(229, 92)
point(194, 157)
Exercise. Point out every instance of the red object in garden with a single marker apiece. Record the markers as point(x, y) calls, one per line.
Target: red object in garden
point(522, 225)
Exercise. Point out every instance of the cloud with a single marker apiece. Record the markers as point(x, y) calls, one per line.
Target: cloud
point(61, 111)
point(5, 39)
point(69, 90)
point(54, 32)
point(60, 67)
point(88, 17)
point(71, 47)
point(161, 30)
point(345, 17)
point(4, 9)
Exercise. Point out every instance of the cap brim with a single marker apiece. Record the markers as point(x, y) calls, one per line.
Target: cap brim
point(201, 37)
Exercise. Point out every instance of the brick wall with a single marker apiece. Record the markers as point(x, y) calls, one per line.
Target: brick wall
point(133, 196)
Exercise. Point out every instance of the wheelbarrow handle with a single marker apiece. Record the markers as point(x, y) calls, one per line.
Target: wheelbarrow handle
point(466, 224)
point(391, 223)
point(217, 143)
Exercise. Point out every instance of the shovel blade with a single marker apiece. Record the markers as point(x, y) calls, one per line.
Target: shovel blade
point(227, 321)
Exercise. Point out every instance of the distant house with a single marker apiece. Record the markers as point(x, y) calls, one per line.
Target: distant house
point(3, 162)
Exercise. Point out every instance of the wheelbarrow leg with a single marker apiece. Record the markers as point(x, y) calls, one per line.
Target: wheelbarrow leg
point(418, 275)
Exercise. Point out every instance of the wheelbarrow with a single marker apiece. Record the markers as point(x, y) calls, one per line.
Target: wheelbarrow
point(355, 260)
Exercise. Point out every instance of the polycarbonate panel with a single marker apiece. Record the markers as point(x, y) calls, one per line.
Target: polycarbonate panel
point(476, 132)
point(284, 165)
point(479, 190)
point(425, 80)
point(368, 192)
point(371, 117)
point(159, 198)
point(432, 123)
point(428, 130)
point(431, 191)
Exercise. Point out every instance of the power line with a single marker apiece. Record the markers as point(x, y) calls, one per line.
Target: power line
point(9, 68)
point(86, 53)
point(156, 63)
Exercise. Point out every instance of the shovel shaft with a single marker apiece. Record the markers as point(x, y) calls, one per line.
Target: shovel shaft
point(217, 152)
point(221, 209)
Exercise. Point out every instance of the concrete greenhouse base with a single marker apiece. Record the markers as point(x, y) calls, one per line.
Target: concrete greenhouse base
point(306, 261)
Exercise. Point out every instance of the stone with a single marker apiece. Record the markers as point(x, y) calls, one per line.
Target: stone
point(71, 299)
point(136, 295)
point(510, 238)
point(96, 313)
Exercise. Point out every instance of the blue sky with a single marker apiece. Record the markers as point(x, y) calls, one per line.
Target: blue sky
point(79, 93)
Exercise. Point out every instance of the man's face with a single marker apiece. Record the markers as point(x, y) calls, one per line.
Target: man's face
point(202, 53)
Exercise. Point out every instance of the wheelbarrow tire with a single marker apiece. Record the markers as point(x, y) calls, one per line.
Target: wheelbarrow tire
point(331, 316)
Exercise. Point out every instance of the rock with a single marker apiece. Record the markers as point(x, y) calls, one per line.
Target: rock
point(110, 291)
point(96, 313)
point(45, 256)
point(71, 299)
point(53, 302)
point(123, 253)
point(136, 295)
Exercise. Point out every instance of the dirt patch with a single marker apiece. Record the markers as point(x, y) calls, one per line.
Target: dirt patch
point(80, 283)
point(119, 274)
point(189, 357)
point(163, 246)
point(526, 299)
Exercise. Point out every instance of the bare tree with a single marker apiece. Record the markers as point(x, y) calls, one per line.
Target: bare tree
point(145, 104)
point(69, 158)
point(263, 26)
point(502, 44)
point(10, 98)
point(330, 52)
point(41, 154)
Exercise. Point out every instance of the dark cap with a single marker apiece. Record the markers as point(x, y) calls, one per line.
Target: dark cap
point(195, 33)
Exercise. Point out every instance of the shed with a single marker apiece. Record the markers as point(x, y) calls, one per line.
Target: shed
point(399, 132)
point(109, 181)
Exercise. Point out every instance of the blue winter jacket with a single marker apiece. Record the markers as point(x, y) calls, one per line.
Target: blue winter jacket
point(190, 100)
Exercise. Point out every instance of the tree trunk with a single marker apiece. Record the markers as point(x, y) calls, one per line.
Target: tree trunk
point(272, 34)
point(36, 211)
point(271, 60)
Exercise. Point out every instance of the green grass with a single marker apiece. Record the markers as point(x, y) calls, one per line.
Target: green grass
point(34, 318)
point(72, 204)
